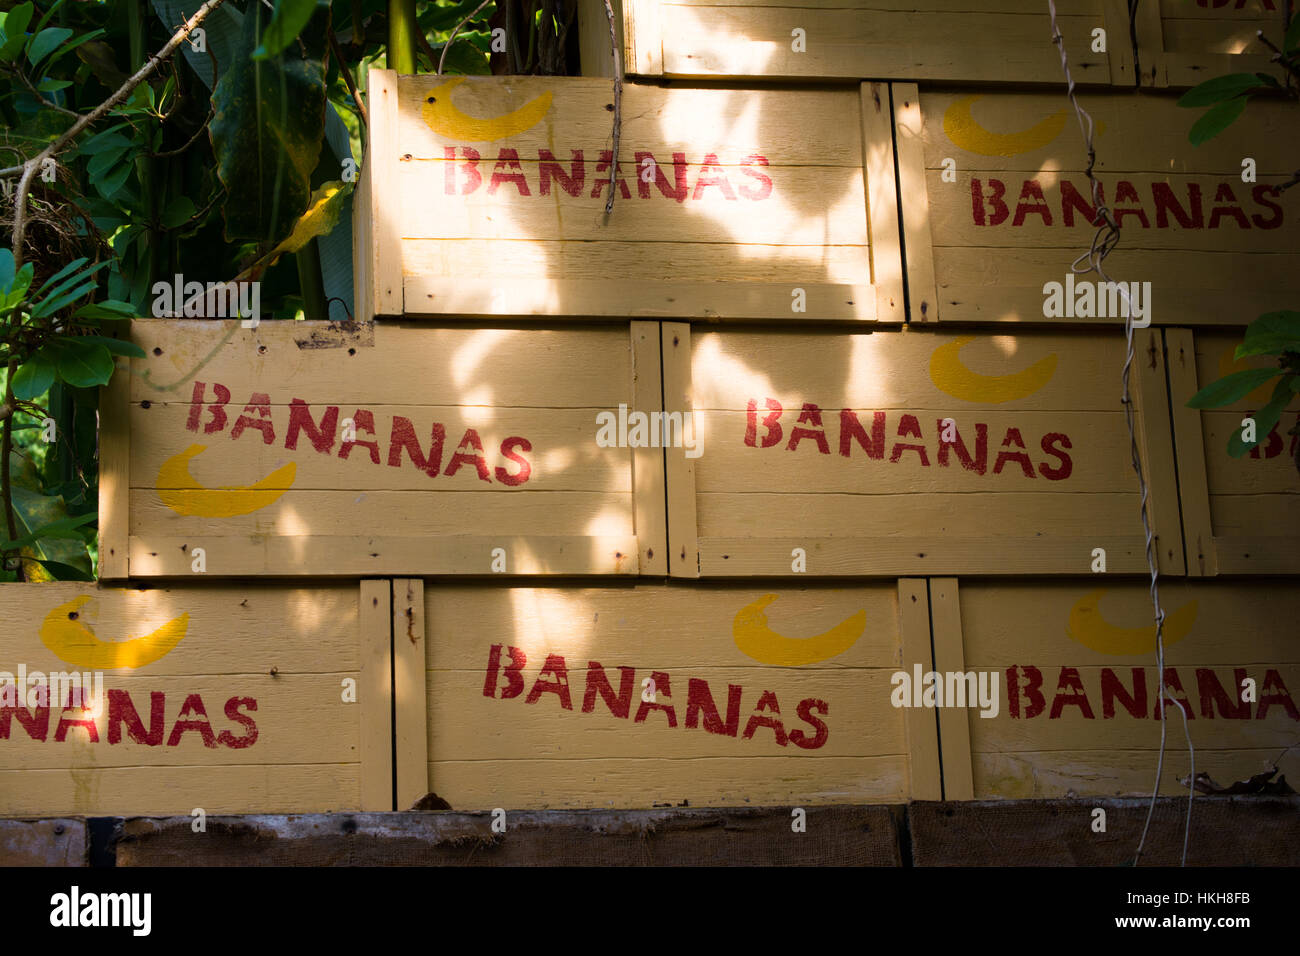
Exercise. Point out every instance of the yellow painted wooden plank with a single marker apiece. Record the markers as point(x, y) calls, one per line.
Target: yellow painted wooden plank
point(358, 512)
point(915, 205)
point(648, 477)
point(386, 200)
point(788, 128)
point(178, 791)
point(363, 247)
point(385, 364)
point(949, 658)
point(375, 694)
point(679, 395)
point(628, 783)
point(410, 694)
point(882, 202)
point(924, 770)
point(516, 665)
point(114, 472)
point(759, 203)
point(347, 556)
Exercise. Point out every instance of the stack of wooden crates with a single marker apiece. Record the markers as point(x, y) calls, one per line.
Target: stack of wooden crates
point(823, 277)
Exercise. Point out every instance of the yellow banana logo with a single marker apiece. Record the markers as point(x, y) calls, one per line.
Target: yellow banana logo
point(953, 378)
point(1093, 631)
point(1227, 365)
point(441, 116)
point(181, 492)
point(960, 127)
point(758, 641)
point(76, 644)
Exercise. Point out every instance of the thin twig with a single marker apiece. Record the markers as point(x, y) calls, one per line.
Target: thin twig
point(348, 79)
point(98, 113)
point(1279, 56)
point(618, 107)
point(6, 445)
point(442, 60)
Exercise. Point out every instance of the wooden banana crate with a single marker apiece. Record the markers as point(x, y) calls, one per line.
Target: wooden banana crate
point(914, 452)
point(231, 698)
point(319, 449)
point(995, 205)
point(486, 197)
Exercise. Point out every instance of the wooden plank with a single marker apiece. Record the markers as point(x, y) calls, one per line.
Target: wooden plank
point(498, 737)
point(642, 34)
point(323, 448)
point(345, 556)
point(234, 699)
point(648, 464)
point(384, 292)
point(950, 658)
point(635, 298)
point(44, 843)
point(882, 202)
point(865, 451)
point(375, 694)
point(1203, 42)
point(364, 250)
point(1078, 709)
point(683, 548)
point(915, 206)
point(925, 773)
point(1224, 831)
point(594, 54)
point(114, 472)
point(1189, 449)
point(919, 41)
point(741, 836)
point(410, 695)
point(1149, 389)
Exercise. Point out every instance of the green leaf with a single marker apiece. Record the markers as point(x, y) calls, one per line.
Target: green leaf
point(15, 31)
point(108, 186)
point(1231, 388)
point(34, 376)
point(51, 305)
point(108, 309)
point(1267, 345)
point(178, 212)
point(103, 163)
point(33, 510)
point(62, 572)
point(6, 270)
point(1215, 120)
point(105, 140)
point(83, 366)
point(1265, 419)
point(1218, 89)
point(267, 131)
point(287, 21)
point(45, 43)
point(1271, 334)
point(48, 85)
point(116, 346)
point(64, 528)
point(1292, 39)
point(67, 270)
